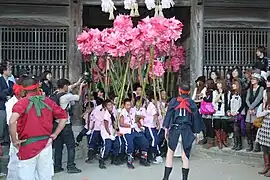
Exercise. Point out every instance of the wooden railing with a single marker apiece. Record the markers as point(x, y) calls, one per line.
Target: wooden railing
point(58, 71)
point(222, 69)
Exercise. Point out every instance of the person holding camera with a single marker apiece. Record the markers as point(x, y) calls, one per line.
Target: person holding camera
point(64, 99)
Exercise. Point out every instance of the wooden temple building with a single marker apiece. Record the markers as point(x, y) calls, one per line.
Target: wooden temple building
point(218, 34)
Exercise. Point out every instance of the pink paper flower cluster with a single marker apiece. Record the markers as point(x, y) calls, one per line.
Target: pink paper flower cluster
point(123, 38)
point(177, 59)
point(158, 69)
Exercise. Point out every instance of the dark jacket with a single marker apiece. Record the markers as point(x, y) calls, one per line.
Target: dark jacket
point(262, 64)
point(188, 123)
point(47, 88)
point(5, 91)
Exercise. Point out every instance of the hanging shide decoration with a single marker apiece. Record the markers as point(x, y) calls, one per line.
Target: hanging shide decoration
point(115, 55)
point(167, 4)
point(133, 6)
point(150, 4)
point(161, 4)
point(107, 6)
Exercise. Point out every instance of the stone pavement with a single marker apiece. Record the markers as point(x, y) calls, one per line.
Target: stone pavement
point(204, 166)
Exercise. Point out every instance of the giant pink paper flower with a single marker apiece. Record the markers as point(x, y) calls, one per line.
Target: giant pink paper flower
point(158, 69)
point(123, 38)
point(122, 22)
point(89, 42)
point(177, 58)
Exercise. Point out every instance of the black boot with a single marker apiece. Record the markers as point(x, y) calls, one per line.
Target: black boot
point(90, 156)
point(235, 143)
point(115, 160)
point(150, 155)
point(130, 162)
point(204, 140)
point(167, 173)
point(239, 144)
point(122, 158)
point(257, 147)
point(143, 159)
point(250, 146)
point(102, 164)
point(185, 173)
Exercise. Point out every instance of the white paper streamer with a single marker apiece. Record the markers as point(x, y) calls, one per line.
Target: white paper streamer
point(166, 4)
point(136, 10)
point(107, 6)
point(150, 4)
point(156, 11)
point(128, 4)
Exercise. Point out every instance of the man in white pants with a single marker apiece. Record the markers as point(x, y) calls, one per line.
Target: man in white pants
point(32, 118)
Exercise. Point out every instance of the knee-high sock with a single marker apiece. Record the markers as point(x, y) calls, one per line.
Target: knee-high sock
point(167, 173)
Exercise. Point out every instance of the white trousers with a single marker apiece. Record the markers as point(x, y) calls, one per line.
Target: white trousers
point(13, 163)
point(39, 167)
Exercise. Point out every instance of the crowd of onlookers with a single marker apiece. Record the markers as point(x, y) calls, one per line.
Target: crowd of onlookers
point(237, 105)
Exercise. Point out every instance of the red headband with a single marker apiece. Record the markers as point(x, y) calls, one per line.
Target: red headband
point(183, 91)
point(18, 88)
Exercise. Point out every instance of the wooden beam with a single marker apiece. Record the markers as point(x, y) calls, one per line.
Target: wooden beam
point(236, 24)
point(34, 21)
point(140, 2)
point(29, 2)
point(236, 14)
point(33, 10)
point(238, 3)
point(33, 15)
point(196, 41)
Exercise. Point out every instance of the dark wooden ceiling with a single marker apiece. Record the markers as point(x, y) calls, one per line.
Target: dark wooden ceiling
point(93, 17)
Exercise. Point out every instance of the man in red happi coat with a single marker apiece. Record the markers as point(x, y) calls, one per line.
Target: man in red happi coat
point(32, 119)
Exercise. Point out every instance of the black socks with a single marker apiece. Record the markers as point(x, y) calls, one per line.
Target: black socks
point(167, 173)
point(185, 173)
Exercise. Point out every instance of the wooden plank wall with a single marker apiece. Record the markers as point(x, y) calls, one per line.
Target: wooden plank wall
point(243, 14)
point(238, 3)
point(237, 13)
point(34, 13)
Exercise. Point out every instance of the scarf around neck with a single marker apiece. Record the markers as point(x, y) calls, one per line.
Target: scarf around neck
point(38, 103)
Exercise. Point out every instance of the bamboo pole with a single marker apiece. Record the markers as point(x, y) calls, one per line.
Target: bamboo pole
point(124, 82)
point(147, 72)
point(169, 67)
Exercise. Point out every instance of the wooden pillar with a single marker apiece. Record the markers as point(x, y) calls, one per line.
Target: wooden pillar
point(268, 42)
point(75, 57)
point(75, 27)
point(196, 40)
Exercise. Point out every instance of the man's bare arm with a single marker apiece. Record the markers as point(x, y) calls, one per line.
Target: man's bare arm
point(13, 127)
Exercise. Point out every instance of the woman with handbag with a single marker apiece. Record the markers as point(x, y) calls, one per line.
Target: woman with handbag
point(236, 110)
point(263, 136)
point(200, 90)
point(207, 110)
point(253, 100)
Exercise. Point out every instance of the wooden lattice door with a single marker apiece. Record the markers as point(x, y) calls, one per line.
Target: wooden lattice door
point(36, 49)
point(227, 48)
